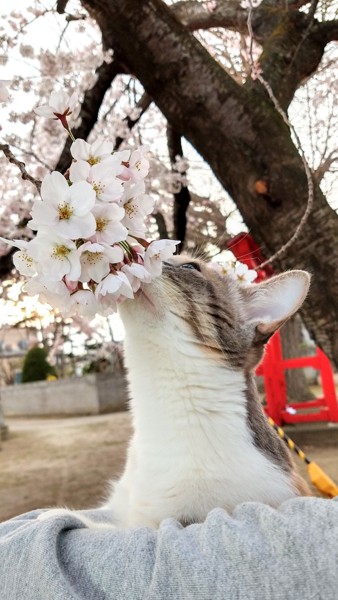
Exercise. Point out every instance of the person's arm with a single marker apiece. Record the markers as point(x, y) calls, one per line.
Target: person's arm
point(258, 553)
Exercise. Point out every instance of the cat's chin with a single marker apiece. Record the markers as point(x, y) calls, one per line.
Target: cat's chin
point(146, 299)
point(145, 302)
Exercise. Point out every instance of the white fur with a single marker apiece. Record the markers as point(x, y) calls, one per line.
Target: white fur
point(192, 450)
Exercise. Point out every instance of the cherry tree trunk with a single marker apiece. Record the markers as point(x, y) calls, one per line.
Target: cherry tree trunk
point(292, 346)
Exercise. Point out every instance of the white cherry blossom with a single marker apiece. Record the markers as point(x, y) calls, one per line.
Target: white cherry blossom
point(243, 273)
point(136, 274)
point(24, 263)
point(97, 152)
point(137, 206)
point(109, 228)
point(138, 165)
point(56, 256)
point(92, 153)
point(59, 105)
point(65, 208)
point(83, 303)
point(224, 268)
point(22, 260)
point(95, 260)
point(116, 285)
point(157, 252)
point(102, 177)
point(235, 269)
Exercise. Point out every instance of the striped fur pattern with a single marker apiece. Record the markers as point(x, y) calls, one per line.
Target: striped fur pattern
point(200, 437)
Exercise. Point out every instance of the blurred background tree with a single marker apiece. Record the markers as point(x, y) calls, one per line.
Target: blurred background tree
point(36, 366)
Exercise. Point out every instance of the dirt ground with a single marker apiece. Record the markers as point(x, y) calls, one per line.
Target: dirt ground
point(69, 461)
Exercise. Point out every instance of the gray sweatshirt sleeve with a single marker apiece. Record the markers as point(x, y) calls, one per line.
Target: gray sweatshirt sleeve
point(257, 553)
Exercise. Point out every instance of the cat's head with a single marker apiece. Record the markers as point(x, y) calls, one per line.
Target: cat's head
point(228, 318)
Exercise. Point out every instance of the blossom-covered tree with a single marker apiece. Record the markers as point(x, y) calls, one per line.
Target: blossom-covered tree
point(192, 59)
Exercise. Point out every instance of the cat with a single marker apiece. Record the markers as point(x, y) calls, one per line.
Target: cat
point(201, 440)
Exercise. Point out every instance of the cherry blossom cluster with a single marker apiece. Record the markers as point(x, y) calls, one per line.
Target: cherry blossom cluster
point(236, 270)
point(89, 251)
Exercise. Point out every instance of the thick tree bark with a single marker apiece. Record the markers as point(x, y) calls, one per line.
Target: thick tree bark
point(238, 131)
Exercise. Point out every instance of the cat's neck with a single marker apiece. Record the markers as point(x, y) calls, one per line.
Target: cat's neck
point(172, 377)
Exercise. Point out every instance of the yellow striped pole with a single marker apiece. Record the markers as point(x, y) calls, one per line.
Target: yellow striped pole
point(317, 476)
point(289, 441)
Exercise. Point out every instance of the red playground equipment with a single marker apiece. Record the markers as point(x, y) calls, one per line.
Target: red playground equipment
point(273, 365)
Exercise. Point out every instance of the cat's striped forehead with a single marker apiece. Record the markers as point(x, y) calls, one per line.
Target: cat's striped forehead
point(212, 305)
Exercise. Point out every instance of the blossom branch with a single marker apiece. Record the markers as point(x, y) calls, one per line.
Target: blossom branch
point(21, 166)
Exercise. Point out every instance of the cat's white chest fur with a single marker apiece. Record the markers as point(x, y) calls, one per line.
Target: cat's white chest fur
point(192, 449)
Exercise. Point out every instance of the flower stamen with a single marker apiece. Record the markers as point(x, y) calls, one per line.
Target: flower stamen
point(101, 224)
point(60, 251)
point(65, 211)
point(130, 209)
point(93, 160)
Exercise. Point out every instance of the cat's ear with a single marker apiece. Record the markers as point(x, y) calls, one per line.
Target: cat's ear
point(270, 303)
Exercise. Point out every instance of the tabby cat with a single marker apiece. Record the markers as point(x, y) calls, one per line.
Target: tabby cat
point(201, 440)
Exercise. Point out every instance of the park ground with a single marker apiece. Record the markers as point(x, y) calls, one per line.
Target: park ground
point(69, 461)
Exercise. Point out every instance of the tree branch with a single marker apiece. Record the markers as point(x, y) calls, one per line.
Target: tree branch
point(195, 15)
point(21, 166)
point(329, 30)
point(292, 50)
point(61, 6)
point(325, 165)
point(287, 4)
point(227, 14)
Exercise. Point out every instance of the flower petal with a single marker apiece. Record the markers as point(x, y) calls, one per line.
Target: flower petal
point(79, 171)
point(80, 150)
point(54, 188)
point(59, 101)
point(101, 148)
point(82, 197)
point(44, 111)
